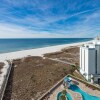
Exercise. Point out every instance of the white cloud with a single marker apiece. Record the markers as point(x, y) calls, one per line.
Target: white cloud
point(44, 23)
point(13, 31)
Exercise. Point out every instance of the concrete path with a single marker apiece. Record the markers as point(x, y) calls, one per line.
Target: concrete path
point(65, 62)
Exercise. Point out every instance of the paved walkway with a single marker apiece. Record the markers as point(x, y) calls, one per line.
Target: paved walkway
point(65, 62)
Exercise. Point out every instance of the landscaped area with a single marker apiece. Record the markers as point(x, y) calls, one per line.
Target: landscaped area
point(67, 54)
point(31, 77)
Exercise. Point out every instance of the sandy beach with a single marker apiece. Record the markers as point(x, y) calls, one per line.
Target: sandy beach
point(35, 52)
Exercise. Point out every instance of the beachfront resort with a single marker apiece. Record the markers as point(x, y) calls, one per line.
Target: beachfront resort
point(48, 50)
point(90, 61)
point(53, 75)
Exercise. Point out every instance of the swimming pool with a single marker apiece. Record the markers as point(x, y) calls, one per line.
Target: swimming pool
point(85, 95)
point(67, 94)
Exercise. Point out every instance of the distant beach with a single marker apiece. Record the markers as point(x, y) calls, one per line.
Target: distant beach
point(35, 52)
point(12, 45)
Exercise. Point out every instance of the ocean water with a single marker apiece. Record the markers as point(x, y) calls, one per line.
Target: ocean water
point(10, 45)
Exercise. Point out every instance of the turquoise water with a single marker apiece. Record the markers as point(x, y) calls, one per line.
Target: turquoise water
point(10, 45)
point(85, 95)
point(67, 94)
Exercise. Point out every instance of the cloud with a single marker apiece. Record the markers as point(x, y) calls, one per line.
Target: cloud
point(49, 18)
point(13, 31)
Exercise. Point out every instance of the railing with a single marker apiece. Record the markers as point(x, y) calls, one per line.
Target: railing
point(51, 90)
point(3, 87)
point(85, 82)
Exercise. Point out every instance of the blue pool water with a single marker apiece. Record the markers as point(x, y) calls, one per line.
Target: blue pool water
point(67, 94)
point(85, 95)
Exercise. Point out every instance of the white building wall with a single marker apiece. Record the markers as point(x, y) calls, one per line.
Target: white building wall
point(86, 61)
point(97, 47)
point(82, 58)
point(86, 57)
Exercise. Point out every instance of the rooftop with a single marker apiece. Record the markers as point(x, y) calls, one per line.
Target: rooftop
point(91, 44)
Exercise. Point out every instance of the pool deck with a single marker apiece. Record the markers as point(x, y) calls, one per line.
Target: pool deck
point(75, 96)
point(53, 96)
point(89, 90)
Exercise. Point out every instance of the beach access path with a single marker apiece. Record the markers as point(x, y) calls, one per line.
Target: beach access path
point(65, 62)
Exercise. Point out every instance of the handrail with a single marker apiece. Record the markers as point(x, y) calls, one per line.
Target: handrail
point(3, 88)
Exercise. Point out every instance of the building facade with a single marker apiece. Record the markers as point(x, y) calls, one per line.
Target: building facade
point(90, 61)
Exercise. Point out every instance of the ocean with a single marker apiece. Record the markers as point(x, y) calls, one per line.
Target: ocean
point(10, 45)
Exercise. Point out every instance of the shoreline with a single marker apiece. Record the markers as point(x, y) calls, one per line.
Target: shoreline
point(36, 52)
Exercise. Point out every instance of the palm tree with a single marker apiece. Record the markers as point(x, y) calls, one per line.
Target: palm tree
point(64, 92)
point(63, 96)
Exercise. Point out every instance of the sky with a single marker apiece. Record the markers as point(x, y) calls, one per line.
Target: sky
point(49, 18)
